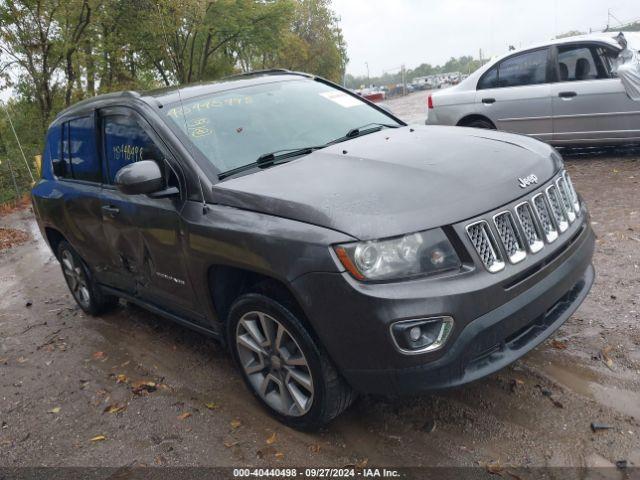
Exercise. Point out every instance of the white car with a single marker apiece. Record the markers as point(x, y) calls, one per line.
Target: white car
point(564, 92)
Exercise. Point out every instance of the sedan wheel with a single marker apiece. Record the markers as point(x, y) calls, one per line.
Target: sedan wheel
point(274, 364)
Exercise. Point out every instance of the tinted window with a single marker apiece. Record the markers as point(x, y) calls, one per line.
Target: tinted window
point(125, 142)
point(526, 69)
point(489, 79)
point(53, 151)
point(85, 164)
point(577, 62)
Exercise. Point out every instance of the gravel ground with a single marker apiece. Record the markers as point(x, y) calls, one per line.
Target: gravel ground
point(66, 378)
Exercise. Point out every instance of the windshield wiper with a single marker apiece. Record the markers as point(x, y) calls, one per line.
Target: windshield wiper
point(272, 158)
point(367, 127)
point(281, 156)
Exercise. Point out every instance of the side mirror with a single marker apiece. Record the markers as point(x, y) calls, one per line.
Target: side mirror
point(141, 177)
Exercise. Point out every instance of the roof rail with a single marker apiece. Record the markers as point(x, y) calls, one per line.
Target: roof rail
point(268, 71)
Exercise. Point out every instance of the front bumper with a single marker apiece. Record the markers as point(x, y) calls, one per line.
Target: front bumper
point(496, 322)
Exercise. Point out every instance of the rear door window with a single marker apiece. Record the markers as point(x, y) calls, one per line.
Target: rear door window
point(528, 68)
point(81, 150)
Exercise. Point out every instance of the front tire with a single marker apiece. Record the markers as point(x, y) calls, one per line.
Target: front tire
point(84, 290)
point(291, 376)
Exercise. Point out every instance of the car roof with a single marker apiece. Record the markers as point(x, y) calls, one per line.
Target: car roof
point(607, 38)
point(169, 95)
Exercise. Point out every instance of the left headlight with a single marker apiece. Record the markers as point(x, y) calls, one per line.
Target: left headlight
point(395, 258)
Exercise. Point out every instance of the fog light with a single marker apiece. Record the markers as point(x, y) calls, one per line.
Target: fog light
point(415, 333)
point(423, 335)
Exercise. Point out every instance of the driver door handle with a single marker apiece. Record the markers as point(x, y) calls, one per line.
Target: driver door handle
point(567, 94)
point(110, 210)
point(488, 101)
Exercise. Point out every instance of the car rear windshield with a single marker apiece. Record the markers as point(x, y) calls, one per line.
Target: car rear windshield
point(233, 128)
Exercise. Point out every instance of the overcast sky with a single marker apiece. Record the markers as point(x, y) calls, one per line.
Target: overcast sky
point(388, 33)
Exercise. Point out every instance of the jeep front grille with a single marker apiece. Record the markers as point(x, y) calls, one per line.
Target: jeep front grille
point(532, 234)
point(556, 208)
point(565, 196)
point(484, 243)
point(508, 233)
point(574, 196)
point(544, 215)
point(526, 228)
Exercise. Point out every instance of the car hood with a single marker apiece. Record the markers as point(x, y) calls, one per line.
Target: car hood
point(397, 181)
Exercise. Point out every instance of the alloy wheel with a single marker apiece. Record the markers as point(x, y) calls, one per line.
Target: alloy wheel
point(76, 279)
point(274, 363)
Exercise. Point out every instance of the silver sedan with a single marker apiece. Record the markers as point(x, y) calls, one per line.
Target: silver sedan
point(564, 92)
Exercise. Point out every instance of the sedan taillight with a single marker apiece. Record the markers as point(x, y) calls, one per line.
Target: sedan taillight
point(430, 102)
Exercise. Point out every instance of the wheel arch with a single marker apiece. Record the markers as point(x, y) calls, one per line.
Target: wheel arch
point(467, 119)
point(54, 237)
point(227, 283)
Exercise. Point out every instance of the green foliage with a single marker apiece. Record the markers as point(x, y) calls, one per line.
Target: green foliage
point(56, 52)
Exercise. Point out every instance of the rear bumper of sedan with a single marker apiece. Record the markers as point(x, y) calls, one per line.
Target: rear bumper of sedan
point(493, 325)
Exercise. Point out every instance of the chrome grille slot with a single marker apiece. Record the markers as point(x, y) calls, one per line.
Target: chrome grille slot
point(544, 216)
point(485, 245)
point(532, 234)
point(574, 195)
point(508, 234)
point(565, 197)
point(556, 208)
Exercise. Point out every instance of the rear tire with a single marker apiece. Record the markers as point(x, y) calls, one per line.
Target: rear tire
point(480, 123)
point(84, 290)
point(291, 376)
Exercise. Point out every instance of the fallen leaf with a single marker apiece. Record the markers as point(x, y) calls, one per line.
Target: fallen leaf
point(99, 356)
point(493, 468)
point(362, 463)
point(98, 438)
point(272, 439)
point(559, 344)
point(608, 361)
point(235, 423)
point(22, 360)
point(279, 456)
point(55, 410)
point(114, 408)
point(121, 378)
point(4, 360)
point(211, 406)
point(143, 387)
point(230, 443)
point(314, 448)
point(184, 416)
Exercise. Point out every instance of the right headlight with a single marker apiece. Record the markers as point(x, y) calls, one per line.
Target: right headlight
point(396, 258)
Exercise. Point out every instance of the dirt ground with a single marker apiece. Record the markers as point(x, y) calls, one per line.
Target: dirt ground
point(66, 378)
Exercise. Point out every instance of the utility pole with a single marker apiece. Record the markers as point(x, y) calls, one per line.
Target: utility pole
point(404, 80)
point(368, 77)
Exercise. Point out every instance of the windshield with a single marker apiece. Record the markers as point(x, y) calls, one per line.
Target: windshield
point(234, 128)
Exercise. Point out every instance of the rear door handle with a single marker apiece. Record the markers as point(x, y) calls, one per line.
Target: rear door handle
point(110, 210)
point(488, 101)
point(567, 94)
